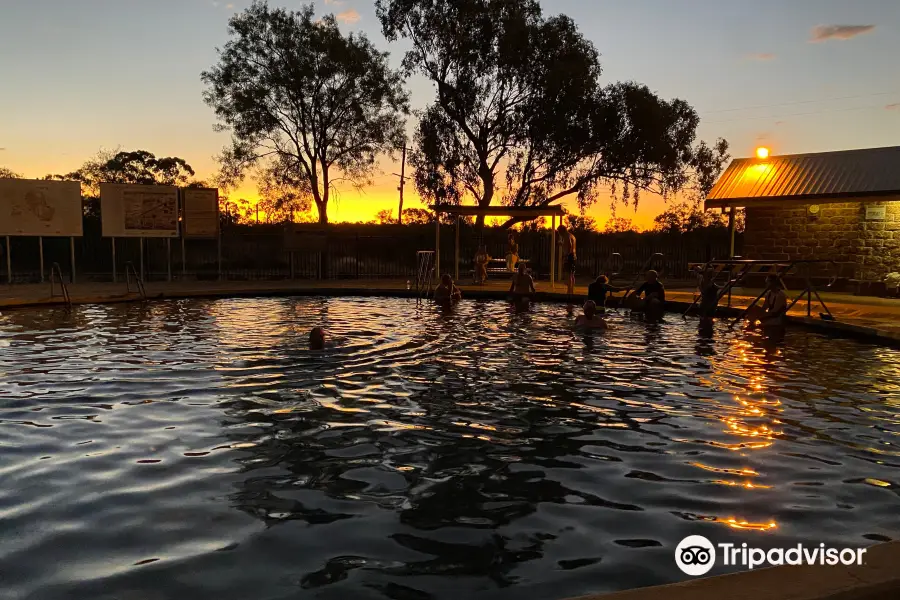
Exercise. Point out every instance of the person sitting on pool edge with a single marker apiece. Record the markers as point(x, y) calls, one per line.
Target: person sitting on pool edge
point(317, 339)
point(598, 290)
point(522, 287)
point(447, 290)
point(482, 258)
point(590, 319)
point(653, 304)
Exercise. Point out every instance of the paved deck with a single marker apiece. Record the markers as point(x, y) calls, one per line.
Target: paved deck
point(856, 315)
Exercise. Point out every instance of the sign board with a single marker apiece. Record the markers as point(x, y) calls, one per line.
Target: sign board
point(875, 213)
point(304, 240)
point(40, 208)
point(200, 210)
point(138, 210)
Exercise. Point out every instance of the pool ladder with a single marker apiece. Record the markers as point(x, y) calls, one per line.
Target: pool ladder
point(56, 275)
point(130, 272)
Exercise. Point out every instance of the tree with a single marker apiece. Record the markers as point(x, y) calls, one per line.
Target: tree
point(281, 194)
point(385, 217)
point(299, 96)
point(580, 223)
point(137, 167)
point(520, 116)
point(8, 174)
point(619, 225)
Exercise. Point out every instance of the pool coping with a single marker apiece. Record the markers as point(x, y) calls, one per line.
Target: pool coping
point(877, 579)
point(872, 334)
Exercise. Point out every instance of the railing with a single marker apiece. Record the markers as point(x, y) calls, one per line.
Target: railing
point(56, 275)
point(770, 268)
point(424, 273)
point(130, 272)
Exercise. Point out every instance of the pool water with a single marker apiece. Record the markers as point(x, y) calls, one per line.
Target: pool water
point(197, 449)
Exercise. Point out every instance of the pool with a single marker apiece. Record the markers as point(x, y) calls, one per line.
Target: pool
point(196, 449)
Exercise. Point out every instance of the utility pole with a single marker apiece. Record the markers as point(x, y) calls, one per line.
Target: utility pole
point(402, 177)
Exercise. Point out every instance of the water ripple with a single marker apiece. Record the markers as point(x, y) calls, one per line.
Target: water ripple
point(198, 449)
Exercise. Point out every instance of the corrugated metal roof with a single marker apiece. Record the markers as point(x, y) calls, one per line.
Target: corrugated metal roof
point(820, 176)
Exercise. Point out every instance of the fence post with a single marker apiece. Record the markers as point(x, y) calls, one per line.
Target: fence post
point(72, 251)
point(357, 255)
point(41, 249)
point(8, 263)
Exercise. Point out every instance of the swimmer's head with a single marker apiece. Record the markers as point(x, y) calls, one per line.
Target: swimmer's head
point(561, 229)
point(317, 338)
point(590, 308)
point(602, 279)
point(774, 282)
point(447, 280)
point(522, 268)
point(652, 275)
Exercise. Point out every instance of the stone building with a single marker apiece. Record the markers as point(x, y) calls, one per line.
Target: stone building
point(842, 206)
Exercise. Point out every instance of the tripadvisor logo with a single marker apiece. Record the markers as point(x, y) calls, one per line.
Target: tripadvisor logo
point(695, 555)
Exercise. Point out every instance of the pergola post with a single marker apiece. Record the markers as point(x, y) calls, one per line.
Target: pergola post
point(553, 252)
point(437, 248)
point(456, 253)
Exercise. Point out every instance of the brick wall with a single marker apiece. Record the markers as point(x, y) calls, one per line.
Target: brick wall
point(839, 233)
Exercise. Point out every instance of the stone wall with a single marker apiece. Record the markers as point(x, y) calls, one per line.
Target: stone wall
point(840, 232)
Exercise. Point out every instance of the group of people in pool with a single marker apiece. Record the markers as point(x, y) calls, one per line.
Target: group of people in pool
point(648, 299)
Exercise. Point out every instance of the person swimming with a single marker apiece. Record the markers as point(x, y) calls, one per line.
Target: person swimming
point(447, 290)
point(522, 286)
point(590, 319)
point(598, 291)
point(317, 339)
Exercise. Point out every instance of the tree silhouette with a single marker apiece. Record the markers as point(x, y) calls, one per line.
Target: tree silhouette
point(8, 174)
point(305, 100)
point(520, 117)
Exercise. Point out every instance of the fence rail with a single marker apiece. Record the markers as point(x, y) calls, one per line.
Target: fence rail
point(363, 252)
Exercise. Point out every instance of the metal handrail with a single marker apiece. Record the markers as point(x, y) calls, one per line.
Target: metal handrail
point(779, 269)
point(129, 272)
point(56, 272)
point(424, 273)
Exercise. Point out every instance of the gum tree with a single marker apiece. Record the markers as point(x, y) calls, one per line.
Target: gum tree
point(302, 100)
point(520, 116)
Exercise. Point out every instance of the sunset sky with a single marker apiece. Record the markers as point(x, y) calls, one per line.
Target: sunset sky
point(798, 76)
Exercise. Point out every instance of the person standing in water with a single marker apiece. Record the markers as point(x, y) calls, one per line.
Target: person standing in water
point(447, 290)
point(598, 291)
point(709, 296)
point(522, 287)
point(590, 319)
point(773, 313)
point(567, 243)
point(512, 253)
point(653, 304)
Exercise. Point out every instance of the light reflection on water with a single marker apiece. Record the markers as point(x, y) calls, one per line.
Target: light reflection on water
point(197, 449)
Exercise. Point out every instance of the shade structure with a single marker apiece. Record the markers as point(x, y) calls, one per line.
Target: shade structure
point(526, 212)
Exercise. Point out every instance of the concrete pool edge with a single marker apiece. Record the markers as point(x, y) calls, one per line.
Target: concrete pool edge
point(877, 579)
point(872, 334)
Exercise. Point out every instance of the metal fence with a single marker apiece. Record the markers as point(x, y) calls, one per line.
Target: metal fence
point(351, 252)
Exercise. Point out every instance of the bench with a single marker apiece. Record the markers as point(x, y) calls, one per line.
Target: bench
point(499, 269)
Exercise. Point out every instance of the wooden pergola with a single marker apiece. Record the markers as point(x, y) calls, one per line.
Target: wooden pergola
point(524, 212)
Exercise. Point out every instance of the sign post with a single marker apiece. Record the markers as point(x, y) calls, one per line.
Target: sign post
point(72, 250)
point(41, 255)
